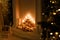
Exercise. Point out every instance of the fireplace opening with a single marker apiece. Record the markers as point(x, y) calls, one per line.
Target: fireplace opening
point(27, 23)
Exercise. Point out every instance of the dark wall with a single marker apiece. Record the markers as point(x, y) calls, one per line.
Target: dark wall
point(8, 19)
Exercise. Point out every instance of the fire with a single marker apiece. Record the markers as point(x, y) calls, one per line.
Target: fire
point(28, 23)
point(28, 16)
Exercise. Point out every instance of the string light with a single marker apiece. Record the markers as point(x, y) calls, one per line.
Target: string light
point(50, 1)
point(56, 33)
point(53, 2)
point(51, 6)
point(42, 13)
point(58, 10)
point(54, 13)
point(53, 36)
point(51, 33)
point(59, 35)
point(52, 23)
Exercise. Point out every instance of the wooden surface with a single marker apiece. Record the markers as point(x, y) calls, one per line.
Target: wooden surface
point(1, 17)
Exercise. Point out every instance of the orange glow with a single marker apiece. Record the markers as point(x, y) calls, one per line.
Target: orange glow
point(27, 23)
point(28, 16)
point(19, 21)
point(17, 13)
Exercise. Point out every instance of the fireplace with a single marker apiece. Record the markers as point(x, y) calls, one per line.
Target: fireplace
point(25, 14)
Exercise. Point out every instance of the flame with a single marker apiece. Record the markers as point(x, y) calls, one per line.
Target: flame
point(25, 23)
point(28, 16)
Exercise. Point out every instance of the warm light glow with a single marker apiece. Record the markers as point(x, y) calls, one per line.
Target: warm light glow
point(23, 20)
point(58, 9)
point(42, 13)
point(53, 2)
point(52, 23)
point(51, 6)
point(51, 33)
point(56, 33)
point(17, 12)
point(27, 23)
point(53, 36)
point(19, 21)
point(31, 28)
point(28, 16)
point(54, 13)
point(50, 1)
point(59, 35)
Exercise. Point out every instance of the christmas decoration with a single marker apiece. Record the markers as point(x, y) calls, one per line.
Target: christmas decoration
point(50, 18)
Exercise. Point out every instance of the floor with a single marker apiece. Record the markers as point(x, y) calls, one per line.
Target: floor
point(17, 34)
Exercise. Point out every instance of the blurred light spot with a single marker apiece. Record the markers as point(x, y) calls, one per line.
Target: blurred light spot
point(51, 6)
point(56, 33)
point(51, 33)
point(53, 2)
point(54, 13)
point(50, 1)
point(52, 23)
point(28, 16)
point(53, 36)
point(59, 35)
point(42, 13)
point(58, 10)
